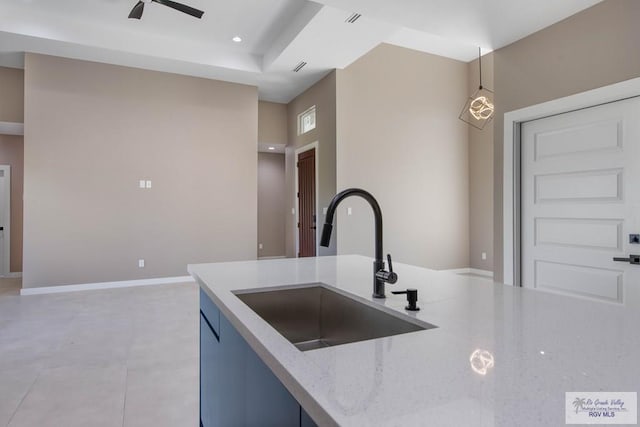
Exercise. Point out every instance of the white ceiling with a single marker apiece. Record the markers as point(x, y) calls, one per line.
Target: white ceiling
point(277, 34)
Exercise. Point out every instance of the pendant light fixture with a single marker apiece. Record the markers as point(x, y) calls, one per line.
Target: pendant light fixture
point(479, 108)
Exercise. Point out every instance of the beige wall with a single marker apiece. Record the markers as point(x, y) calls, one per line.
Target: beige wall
point(11, 95)
point(399, 137)
point(92, 131)
point(271, 205)
point(272, 123)
point(11, 153)
point(593, 48)
point(323, 96)
point(481, 176)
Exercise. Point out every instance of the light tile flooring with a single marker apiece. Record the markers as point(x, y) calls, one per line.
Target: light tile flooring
point(121, 357)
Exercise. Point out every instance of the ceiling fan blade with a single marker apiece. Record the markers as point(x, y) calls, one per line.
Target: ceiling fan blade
point(181, 7)
point(136, 12)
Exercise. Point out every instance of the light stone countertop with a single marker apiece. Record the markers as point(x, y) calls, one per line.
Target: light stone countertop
point(542, 345)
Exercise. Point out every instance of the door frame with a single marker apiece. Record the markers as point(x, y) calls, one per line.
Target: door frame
point(5, 271)
point(311, 146)
point(511, 208)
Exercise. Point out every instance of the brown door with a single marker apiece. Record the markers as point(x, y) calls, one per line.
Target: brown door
point(307, 203)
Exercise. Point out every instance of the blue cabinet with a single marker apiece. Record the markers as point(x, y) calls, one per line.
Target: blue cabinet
point(209, 375)
point(236, 387)
point(233, 375)
point(268, 401)
point(305, 419)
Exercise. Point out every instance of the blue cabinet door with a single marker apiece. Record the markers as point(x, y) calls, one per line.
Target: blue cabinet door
point(305, 419)
point(236, 387)
point(233, 375)
point(209, 376)
point(269, 403)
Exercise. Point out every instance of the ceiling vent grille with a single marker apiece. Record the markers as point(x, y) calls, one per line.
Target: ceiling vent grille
point(353, 18)
point(299, 67)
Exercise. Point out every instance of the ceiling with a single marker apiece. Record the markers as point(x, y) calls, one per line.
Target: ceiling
point(277, 34)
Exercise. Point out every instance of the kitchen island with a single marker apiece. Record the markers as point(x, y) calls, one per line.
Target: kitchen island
point(499, 355)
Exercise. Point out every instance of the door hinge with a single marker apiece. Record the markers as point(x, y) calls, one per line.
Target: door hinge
point(297, 164)
point(298, 225)
point(298, 194)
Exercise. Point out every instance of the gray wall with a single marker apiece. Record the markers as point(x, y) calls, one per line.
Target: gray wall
point(323, 96)
point(92, 131)
point(591, 49)
point(271, 205)
point(398, 136)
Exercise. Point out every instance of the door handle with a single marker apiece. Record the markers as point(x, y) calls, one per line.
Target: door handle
point(632, 259)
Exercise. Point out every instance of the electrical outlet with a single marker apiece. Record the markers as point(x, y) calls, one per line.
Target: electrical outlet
point(484, 256)
point(148, 184)
point(349, 211)
point(142, 183)
point(140, 263)
point(260, 246)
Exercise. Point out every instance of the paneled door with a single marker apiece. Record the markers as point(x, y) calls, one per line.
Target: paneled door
point(5, 212)
point(306, 163)
point(581, 202)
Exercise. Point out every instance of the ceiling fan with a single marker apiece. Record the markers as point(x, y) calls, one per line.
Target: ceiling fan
point(136, 12)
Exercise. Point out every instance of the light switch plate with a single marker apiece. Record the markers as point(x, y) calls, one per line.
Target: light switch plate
point(349, 211)
point(148, 184)
point(143, 183)
point(141, 263)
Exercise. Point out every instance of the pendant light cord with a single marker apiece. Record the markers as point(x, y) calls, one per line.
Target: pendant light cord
point(480, 64)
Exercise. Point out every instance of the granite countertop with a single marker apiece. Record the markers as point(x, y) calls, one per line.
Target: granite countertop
point(540, 345)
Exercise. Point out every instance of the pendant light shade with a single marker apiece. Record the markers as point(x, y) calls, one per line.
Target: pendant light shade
point(479, 108)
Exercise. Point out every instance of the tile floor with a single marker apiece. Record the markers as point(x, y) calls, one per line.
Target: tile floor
point(120, 357)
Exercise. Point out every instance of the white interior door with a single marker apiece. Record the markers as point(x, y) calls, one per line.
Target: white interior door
point(4, 193)
point(581, 201)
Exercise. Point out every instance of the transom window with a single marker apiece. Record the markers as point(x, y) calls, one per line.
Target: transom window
point(307, 120)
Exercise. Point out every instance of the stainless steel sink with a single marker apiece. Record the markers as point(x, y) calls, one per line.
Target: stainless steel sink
point(313, 316)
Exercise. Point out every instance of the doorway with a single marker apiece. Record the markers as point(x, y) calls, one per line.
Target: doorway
point(306, 192)
point(5, 216)
point(580, 205)
point(511, 184)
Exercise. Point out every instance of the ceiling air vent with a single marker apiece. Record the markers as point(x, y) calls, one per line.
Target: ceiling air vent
point(299, 67)
point(353, 18)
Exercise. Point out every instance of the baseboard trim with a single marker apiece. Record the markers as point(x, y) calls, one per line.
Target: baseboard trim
point(272, 257)
point(14, 275)
point(104, 285)
point(476, 271)
point(11, 128)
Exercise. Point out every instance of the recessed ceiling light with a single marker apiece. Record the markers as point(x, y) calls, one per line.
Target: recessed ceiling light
point(272, 148)
point(237, 39)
